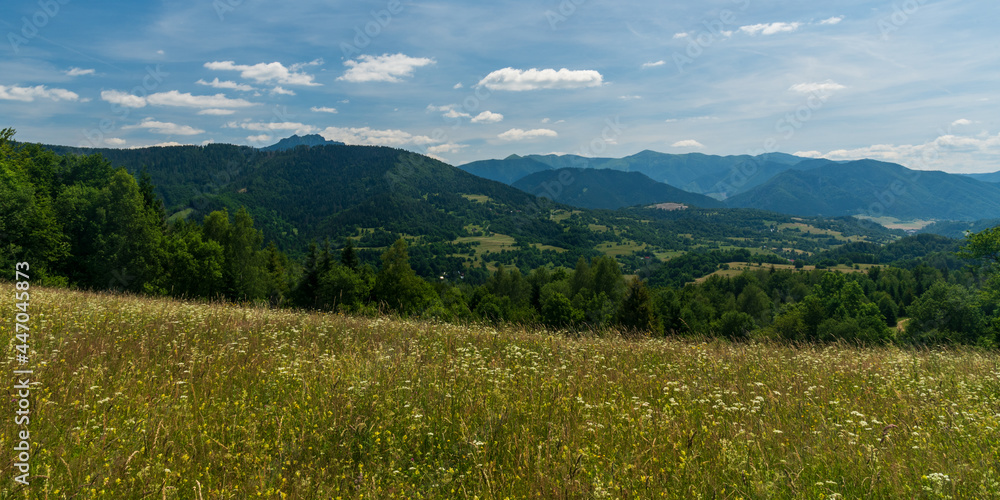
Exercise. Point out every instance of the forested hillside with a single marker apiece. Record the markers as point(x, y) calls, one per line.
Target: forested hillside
point(608, 189)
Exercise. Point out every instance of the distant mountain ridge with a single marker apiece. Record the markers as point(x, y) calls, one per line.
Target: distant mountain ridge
point(992, 177)
point(607, 189)
point(710, 175)
point(874, 188)
point(296, 140)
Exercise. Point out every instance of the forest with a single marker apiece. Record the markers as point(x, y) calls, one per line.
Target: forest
point(81, 223)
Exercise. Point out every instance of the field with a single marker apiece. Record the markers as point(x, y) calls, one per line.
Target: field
point(149, 398)
point(737, 268)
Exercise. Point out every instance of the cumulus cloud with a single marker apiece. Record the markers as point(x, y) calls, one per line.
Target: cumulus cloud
point(29, 94)
point(687, 143)
point(114, 141)
point(74, 71)
point(832, 20)
point(769, 28)
point(961, 121)
point(375, 137)
point(534, 79)
point(383, 68)
point(258, 138)
point(266, 72)
point(165, 128)
point(680, 35)
point(175, 98)
point(279, 90)
point(226, 84)
point(516, 134)
point(661, 62)
point(817, 87)
point(457, 86)
point(488, 117)
point(216, 112)
point(948, 152)
point(123, 99)
point(323, 109)
point(456, 114)
point(450, 147)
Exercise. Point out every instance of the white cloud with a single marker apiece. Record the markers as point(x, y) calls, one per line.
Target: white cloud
point(226, 84)
point(79, 71)
point(114, 141)
point(167, 144)
point(533, 79)
point(961, 121)
point(258, 138)
point(458, 86)
point(446, 107)
point(297, 128)
point(373, 137)
point(817, 87)
point(279, 90)
point(456, 114)
point(769, 29)
point(516, 134)
point(29, 94)
point(488, 117)
point(661, 62)
point(123, 99)
point(266, 72)
point(450, 147)
point(680, 35)
point(216, 112)
point(947, 152)
point(832, 20)
point(323, 109)
point(687, 143)
point(314, 62)
point(165, 128)
point(630, 97)
point(383, 68)
point(175, 98)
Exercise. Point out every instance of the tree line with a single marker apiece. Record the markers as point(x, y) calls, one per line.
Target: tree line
point(82, 223)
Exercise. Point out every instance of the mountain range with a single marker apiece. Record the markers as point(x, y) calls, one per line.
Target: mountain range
point(777, 182)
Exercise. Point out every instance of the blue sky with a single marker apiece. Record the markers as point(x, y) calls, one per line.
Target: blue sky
point(914, 81)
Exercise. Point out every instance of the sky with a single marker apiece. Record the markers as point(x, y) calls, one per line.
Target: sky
point(907, 81)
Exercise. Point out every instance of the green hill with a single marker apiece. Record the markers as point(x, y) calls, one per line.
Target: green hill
point(607, 189)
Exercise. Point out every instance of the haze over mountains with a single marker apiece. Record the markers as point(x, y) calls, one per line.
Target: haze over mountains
point(776, 181)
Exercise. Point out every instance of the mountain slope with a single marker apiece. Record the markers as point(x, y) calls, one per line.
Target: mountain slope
point(868, 187)
point(506, 170)
point(993, 177)
point(718, 176)
point(607, 189)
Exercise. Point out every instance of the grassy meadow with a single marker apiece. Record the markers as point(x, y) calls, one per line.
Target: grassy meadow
point(148, 398)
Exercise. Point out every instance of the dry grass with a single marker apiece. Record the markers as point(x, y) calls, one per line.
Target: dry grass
point(149, 398)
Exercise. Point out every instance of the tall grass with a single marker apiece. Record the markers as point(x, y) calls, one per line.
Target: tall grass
point(149, 398)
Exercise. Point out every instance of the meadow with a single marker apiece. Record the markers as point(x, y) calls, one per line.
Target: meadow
point(136, 397)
